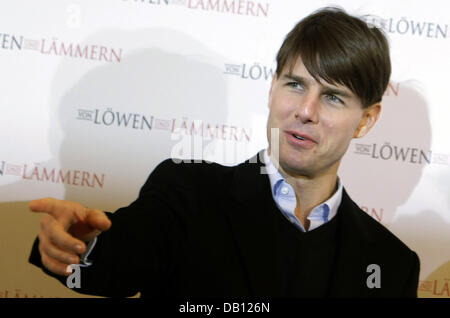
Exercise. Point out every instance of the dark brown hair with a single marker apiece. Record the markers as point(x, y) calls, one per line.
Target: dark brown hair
point(340, 49)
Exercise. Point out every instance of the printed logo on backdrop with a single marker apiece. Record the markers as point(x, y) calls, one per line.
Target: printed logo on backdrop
point(437, 283)
point(39, 172)
point(237, 7)
point(410, 27)
point(253, 71)
point(184, 126)
point(19, 293)
point(195, 139)
point(436, 287)
point(58, 47)
point(410, 155)
point(376, 213)
point(392, 89)
point(387, 151)
point(257, 71)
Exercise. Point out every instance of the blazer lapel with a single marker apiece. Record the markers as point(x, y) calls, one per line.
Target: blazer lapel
point(354, 248)
point(250, 220)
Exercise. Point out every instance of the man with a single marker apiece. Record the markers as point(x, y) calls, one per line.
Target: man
point(209, 230)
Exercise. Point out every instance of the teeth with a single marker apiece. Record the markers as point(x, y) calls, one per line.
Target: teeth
point(298, 137)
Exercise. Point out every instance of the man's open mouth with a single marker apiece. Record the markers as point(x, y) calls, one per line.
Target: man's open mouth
point(298, 137)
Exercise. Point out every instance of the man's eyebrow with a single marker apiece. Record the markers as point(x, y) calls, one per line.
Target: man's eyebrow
point(325, 90)
point(335, 91)
point(296, 78)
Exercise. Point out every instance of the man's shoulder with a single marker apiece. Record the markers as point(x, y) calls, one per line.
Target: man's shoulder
point(378, 233)
point(188, 173)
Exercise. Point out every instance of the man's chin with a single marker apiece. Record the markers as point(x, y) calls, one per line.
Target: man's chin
point(296, 168)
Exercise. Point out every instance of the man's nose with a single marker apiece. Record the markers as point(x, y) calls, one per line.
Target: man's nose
point(308, 109)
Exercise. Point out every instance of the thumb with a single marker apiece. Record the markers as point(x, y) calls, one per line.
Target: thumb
point(98, 220)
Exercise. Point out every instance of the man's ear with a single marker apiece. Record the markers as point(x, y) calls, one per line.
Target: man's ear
point(368, 120)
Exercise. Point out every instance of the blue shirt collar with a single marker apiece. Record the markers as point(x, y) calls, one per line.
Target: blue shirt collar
point(287, 201)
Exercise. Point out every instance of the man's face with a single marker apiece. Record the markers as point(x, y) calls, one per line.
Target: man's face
point(316, 122)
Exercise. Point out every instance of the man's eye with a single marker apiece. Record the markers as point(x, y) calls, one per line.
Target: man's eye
point(333, 99)
point(295, 85)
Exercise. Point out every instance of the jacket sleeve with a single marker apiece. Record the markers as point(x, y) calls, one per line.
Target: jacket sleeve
point(134, 255)
point(412, 282)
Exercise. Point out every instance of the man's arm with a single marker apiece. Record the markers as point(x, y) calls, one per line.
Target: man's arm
point(412, 283)
point(135, 246)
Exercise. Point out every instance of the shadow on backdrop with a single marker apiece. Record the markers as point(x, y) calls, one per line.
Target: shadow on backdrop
point(155, 79)
point(383, 170)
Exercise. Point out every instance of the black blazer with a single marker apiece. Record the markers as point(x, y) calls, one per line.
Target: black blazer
point(202, 229)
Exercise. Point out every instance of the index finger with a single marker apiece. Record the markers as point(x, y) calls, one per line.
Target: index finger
point(58, 208)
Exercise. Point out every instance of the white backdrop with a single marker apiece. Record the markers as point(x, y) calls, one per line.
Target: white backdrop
point(95, 93)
